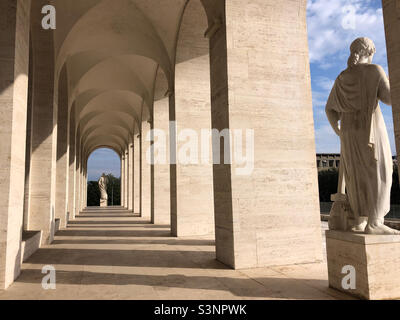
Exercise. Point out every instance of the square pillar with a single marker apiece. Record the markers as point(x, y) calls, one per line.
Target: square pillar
point(161, 167)
point(192, 209)
point(126, 179)
point(130, 177)
point(84, 184)
point(42, 179)
point(14, 66)
point(137, 174)
point(146, 171)
point(123, 180)
point(62, 152)
point(71, 168)
point(391, 15)
point(77, 173)
point(266, 208)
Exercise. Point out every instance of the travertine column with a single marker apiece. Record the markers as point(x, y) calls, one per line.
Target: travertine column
point(85, 194)
point(42, 178)
point(14, 62)
point(391, 14)
point(261, 81)
point(62, 151)
point(126, 178)
point(86, 182)
point(83, 188)
point(137, 185)
point(28, 142)
point(123, 180)
point(162, 208)
point(77, 173)
point(193, 213)
point(146, 170)
point(72, 165)
point(130, 177)
point(80, 173)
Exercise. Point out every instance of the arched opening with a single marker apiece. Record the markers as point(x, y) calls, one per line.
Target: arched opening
point(104, 161)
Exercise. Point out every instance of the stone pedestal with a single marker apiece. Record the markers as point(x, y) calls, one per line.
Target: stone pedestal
point(376, 262)
point(103, 203)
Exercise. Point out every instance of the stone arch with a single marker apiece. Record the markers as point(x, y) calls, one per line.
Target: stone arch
point(110, 129)
point(112, 118)
point(109, 139)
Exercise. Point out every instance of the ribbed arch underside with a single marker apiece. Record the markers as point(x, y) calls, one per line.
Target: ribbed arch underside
point(119, 56)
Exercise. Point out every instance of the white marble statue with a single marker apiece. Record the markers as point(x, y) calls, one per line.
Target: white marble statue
point(366, 158)
point(103, 190)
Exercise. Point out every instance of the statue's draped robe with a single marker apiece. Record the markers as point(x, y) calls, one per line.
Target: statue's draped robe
point(103, 188)
point(365, 147)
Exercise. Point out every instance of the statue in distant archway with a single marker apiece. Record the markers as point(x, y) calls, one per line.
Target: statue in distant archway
point(365, 181)
point(103, 181)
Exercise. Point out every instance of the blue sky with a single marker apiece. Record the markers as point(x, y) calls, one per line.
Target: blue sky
point(332, 26)
point(331, 29)
point(103, 160)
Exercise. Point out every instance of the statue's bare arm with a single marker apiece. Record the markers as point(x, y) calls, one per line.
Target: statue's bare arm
point(384, 87)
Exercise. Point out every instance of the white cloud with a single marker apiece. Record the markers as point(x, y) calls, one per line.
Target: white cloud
point(331, 30)
point(319, 99)
point(328, 36)
point(328, 142)
point(325, 83)
point(326, 139)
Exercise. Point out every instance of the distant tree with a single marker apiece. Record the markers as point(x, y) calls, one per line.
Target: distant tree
point(328, 180)
point(93, 194)
point(395, 194)
point(327, 184)
point(113, 191)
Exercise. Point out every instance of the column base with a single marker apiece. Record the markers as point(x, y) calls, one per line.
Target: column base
point(30, 244)
point(376, 261)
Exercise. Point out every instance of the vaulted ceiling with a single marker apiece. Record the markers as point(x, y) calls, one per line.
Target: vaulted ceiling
point(119, 56)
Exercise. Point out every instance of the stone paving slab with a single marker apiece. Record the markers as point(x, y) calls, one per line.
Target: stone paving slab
point(121, 256)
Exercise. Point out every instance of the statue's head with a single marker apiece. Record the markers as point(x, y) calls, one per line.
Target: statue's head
point(362, 50)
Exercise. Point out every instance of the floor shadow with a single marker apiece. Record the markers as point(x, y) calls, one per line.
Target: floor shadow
point(113, 233)
point(127, 258)
point(170, 242)
point(262, 287)
point(149, 226)
point(106, 216)
point(99, 222)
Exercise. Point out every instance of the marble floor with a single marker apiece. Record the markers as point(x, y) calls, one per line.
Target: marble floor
point(115, 255)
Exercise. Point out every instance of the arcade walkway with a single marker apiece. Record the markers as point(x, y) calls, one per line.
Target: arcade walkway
point(115, 255)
